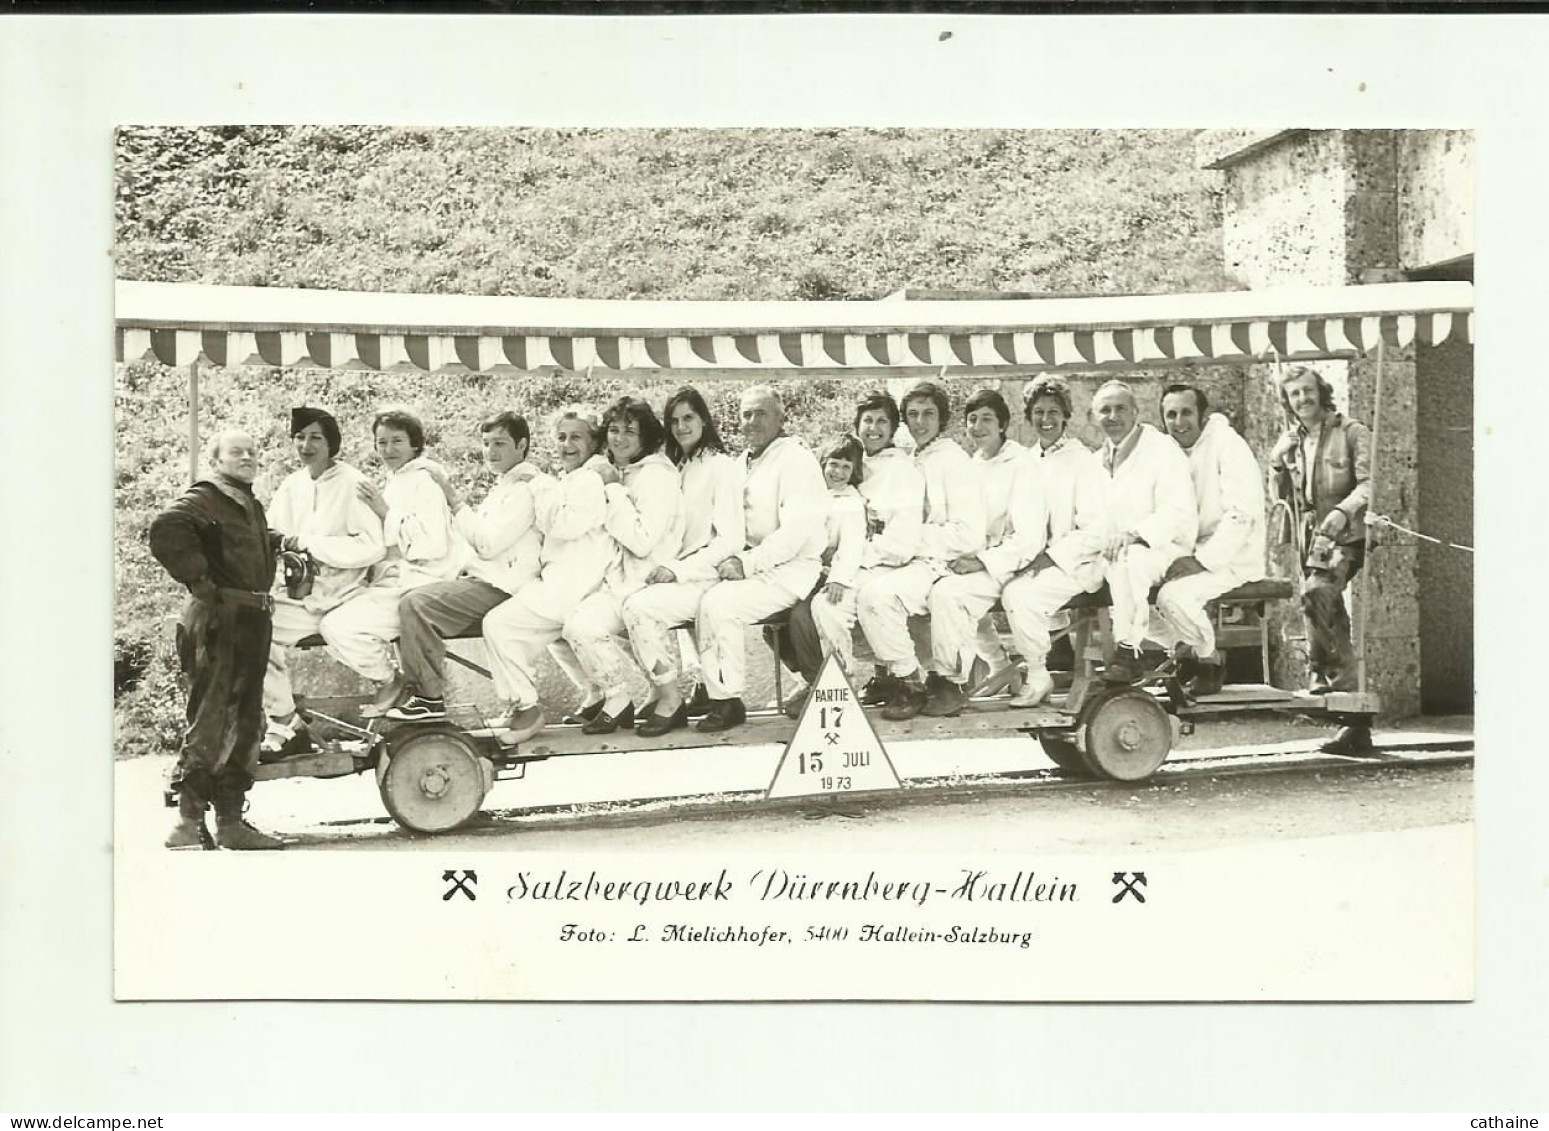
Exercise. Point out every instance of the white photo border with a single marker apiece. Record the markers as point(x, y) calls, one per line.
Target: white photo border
point(77, 77)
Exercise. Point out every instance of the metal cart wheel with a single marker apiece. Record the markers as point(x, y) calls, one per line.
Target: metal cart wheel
point(433, 780)
point(1127, 736)
point(1064, 753)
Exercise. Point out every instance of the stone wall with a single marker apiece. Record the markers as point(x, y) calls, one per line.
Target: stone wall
point(1444, 508)
point(1435, 197)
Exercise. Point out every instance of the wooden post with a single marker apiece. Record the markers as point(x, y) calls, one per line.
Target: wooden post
point(193, 420)
point(1366, 564)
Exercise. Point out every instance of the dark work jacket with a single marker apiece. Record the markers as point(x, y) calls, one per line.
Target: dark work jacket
point(207, 535)
point(1341, 477)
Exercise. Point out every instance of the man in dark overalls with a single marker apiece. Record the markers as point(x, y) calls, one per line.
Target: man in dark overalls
point(215, 540)
point(1323, 468)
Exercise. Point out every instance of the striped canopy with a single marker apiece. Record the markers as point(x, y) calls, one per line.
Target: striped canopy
point(178, 323)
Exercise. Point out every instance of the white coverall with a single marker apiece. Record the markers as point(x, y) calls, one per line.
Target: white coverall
point(570, 512)
point(894, 489)
point(846, 530)
point(645, 519)
point(500, 532)
point(783, 494)
point(1151, 494)
point(956, 641)
point(1066, 482)
point(713, 530)
point(421, 548)
point(344, 536)
point(954, 526)
point(1229, 493)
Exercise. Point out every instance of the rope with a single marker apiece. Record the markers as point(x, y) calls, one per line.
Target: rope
point(1384, 520)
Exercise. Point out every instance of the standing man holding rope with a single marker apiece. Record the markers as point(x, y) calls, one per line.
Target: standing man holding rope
point(1322, 468)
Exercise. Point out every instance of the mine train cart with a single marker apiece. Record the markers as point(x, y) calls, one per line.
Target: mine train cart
point(433, 777)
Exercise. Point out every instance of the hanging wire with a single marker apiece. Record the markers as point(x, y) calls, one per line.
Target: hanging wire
point(1384, 520)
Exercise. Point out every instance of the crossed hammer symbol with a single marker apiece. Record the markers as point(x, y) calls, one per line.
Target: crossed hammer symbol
point(469, 877)
point(1130, 887)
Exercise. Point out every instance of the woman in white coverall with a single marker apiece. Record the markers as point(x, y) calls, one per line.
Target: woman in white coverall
point(954, 526)
point(570, 511)
point(961, 630)
point(320, 514)
point(645, 521)
point(1059, 520)
point(1229, 492)
point(893, 488)
point(417, 529)
point(713, 530)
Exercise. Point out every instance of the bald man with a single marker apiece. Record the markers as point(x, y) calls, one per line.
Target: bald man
point(784, 498)
point(1152, 518)
point(215, 540)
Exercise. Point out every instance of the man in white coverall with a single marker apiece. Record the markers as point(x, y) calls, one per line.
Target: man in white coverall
point(503, 535)
point(1229, 494)
point(785, 498)
point(1152, 519)
point(955, 526)
point(319, 511)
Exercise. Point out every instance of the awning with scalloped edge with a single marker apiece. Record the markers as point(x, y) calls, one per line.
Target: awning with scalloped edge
point(179, 323)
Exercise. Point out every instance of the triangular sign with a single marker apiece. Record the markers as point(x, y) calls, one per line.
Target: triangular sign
point(834, 749)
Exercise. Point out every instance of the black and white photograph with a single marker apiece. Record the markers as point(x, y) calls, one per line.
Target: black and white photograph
point(1094, 494)
point(849, 563)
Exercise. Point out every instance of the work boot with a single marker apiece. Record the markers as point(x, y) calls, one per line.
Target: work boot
point(190, 830)
point(723, 715)
point(231, 831)
point(908, 699)
point(1209, 678)
point(1125, 667)
point(1351, 742)
point(879, 689)
point(943, 698)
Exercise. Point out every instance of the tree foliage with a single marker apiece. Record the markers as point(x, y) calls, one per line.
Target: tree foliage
point(676, 214)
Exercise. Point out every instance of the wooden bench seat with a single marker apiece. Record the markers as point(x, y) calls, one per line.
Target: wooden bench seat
point(1269, 589)
point(778, 620)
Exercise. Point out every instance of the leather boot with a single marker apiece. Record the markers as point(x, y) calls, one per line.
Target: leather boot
point(190, 830)
point(943, 698)
point(231, 831)
point(723, 715)
point(908, 699)
point(1208, 679)
point(1352, 742)
point(879, 689)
